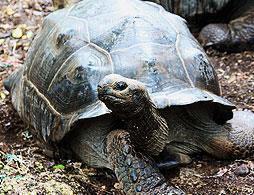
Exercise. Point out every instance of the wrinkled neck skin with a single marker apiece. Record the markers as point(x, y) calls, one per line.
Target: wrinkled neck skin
point(148, 130)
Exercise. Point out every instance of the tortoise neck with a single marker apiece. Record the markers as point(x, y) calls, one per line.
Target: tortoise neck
point(149, 130)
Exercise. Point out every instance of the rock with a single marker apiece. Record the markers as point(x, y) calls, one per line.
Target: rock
point(242, 170)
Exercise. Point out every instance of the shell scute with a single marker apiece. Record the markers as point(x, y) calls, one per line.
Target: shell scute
point(199, 68)
point(48, 56)
point(75, 84)
point(155, 65)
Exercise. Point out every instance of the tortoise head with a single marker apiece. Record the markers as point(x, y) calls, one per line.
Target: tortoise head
point(125, 97)
point(214, 35)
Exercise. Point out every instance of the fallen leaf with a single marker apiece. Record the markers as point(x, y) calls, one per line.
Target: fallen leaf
point(1, 41)
point(24, 37)
point(9, 11)
point(59, 166)
point(2, 95)
point(17, 33)
point(29, 34)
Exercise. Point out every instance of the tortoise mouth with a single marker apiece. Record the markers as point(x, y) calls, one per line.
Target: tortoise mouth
point(111, 100)
point(110, 97)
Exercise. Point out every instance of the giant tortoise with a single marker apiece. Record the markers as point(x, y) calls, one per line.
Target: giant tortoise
point(56, 90)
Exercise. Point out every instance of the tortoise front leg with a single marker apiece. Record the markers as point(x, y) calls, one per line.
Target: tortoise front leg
point(136, 172)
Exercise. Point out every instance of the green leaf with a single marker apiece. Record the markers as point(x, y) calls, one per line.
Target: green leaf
point(59, 166)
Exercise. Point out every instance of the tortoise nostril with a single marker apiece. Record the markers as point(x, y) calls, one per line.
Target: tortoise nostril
point(120, 86)
point(99, 86)
point(99, 89)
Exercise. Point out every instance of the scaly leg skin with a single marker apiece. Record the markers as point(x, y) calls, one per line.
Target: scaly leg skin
point(242, 133)
point(238, 140)
point(134, 170)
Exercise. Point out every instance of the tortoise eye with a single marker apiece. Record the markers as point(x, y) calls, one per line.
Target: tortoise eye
point(120, 86)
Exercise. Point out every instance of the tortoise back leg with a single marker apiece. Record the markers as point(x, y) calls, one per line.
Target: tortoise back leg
point(194, 130)
point(241, 133)
point(136, 172)
point(235, 139)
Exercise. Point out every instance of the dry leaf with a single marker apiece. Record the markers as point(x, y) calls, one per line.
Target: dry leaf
point(9, 11)
point(17, 33)
point(2, 95)
point(1, 41)
point(29, 34)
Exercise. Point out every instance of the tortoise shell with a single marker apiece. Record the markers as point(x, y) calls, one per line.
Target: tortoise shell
point(77, 46)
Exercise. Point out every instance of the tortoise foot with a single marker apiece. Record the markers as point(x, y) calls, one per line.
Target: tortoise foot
point(171, 159)
point(168, 164)
point(137, 173)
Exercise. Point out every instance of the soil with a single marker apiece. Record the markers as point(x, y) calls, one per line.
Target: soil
point(24, 168)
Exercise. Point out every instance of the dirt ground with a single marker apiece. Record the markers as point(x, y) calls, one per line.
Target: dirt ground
point(23, 167)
